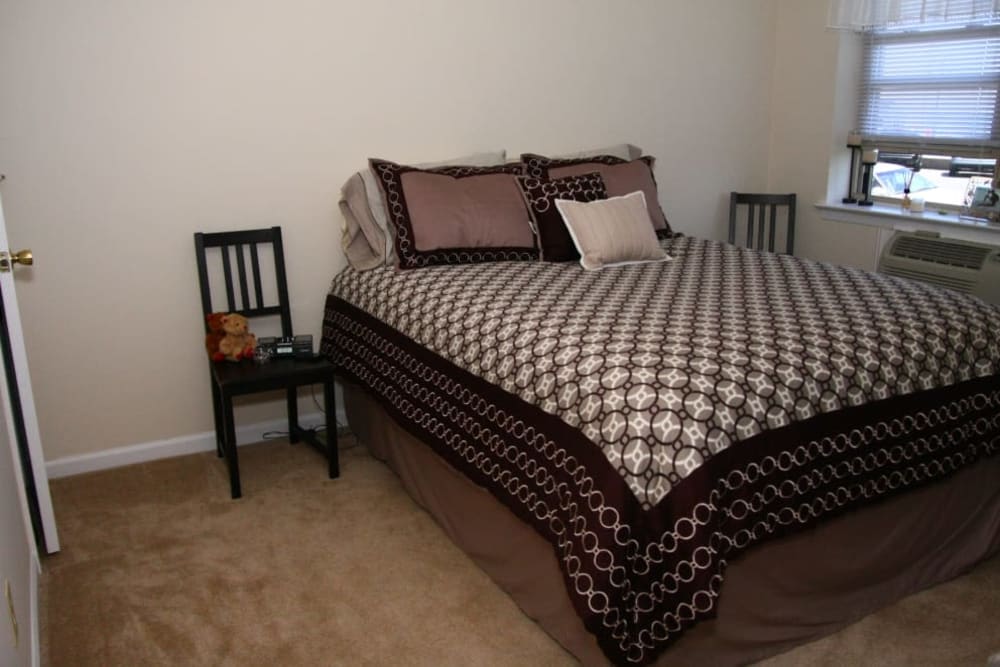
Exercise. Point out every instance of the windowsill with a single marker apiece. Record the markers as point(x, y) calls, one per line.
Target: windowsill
point(888, 216)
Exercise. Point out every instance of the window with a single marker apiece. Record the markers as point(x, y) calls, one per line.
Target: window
point(930, 96)
point(942, 180)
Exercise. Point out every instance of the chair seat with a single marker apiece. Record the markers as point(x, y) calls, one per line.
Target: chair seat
point(246, 377)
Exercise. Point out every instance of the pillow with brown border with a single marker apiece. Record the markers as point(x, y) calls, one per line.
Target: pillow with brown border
point(455, 214)
point(554, 239)
point(366, 236)
point(621, 177)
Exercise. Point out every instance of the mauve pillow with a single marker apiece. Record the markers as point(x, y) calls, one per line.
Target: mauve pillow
point(455, 215)
point(621, 177)
point(540, 194)
point(366, 237)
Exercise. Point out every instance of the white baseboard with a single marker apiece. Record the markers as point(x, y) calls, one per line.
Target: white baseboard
point(179, 446)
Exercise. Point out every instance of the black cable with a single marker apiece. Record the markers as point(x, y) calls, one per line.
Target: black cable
point(274, 435)
point(277, 435)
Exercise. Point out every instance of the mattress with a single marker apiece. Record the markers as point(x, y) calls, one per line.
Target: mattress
point(653, 422)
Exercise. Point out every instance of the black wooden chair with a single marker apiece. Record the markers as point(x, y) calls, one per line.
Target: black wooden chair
point(762, 227)
point(246, 377)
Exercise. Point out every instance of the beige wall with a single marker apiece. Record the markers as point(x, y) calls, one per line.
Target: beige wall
point(812, 110)
point(126, 125)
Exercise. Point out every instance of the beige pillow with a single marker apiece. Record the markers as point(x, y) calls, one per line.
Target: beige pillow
point(364, 238)
point(612, 231)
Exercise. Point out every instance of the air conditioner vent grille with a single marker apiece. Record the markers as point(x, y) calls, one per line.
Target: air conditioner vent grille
point(957, 284)
point(940, 252)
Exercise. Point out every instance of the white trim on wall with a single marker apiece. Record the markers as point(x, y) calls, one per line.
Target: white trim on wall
point(179, 446)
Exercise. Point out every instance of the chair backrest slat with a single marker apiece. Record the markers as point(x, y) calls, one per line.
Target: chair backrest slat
point(773, 230)
point(228, 271)
point(241, 266)
point(239, 243)
point(790, 234)
point(761, 217)
point(255, 266)
point(762, 210)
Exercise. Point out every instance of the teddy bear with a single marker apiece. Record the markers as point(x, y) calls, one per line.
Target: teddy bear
point(214, 336)
point(229, 337)
point(238, 343)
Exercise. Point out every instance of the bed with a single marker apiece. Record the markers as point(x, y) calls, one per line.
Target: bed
point(709, 459)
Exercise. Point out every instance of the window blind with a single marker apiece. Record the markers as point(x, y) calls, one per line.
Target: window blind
point(862, 15)
point(933, 87)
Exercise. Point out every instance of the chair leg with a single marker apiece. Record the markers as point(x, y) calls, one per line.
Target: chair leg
point(332, 453)
point(293, 414)
point(229, 444)
point(217, 412)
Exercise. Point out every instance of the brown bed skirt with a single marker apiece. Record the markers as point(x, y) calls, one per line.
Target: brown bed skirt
point(784, 593)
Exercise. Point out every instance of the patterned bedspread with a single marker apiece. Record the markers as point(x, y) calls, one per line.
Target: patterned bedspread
point(652, 421)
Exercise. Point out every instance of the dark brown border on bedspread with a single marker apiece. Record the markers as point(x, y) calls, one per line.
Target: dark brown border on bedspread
point(636, 577)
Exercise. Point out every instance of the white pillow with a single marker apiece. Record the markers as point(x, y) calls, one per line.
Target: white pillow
point(613, 231)
point(626, 152)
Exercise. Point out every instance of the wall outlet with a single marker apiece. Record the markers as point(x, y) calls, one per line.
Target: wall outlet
point(10, 608)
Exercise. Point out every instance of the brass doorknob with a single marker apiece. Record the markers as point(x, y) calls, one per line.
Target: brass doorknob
point(8, 259)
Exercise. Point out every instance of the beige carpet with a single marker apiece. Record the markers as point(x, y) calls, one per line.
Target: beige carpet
point(159, 567)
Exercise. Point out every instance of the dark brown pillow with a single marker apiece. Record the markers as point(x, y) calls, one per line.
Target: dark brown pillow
point(540, 194)
point(455, 215)
point(621, 177)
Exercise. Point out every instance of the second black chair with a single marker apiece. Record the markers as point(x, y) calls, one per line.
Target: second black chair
point(235, 379)
point(762, 216)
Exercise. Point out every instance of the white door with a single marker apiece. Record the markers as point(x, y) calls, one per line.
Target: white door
point(18, 564)
point(19, 404)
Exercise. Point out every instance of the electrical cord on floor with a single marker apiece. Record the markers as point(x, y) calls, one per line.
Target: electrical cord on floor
point(342, 429)
point(312, 392)
point(320, 428)
point(278, 435)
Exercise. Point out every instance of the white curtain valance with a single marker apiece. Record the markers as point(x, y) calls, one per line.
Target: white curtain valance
point(867, 15)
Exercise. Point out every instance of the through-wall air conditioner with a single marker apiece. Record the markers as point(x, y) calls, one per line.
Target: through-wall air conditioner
point(963, 266)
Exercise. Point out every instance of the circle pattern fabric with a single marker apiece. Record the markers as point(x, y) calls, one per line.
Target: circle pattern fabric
point(644, 581)
point(664, 365)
